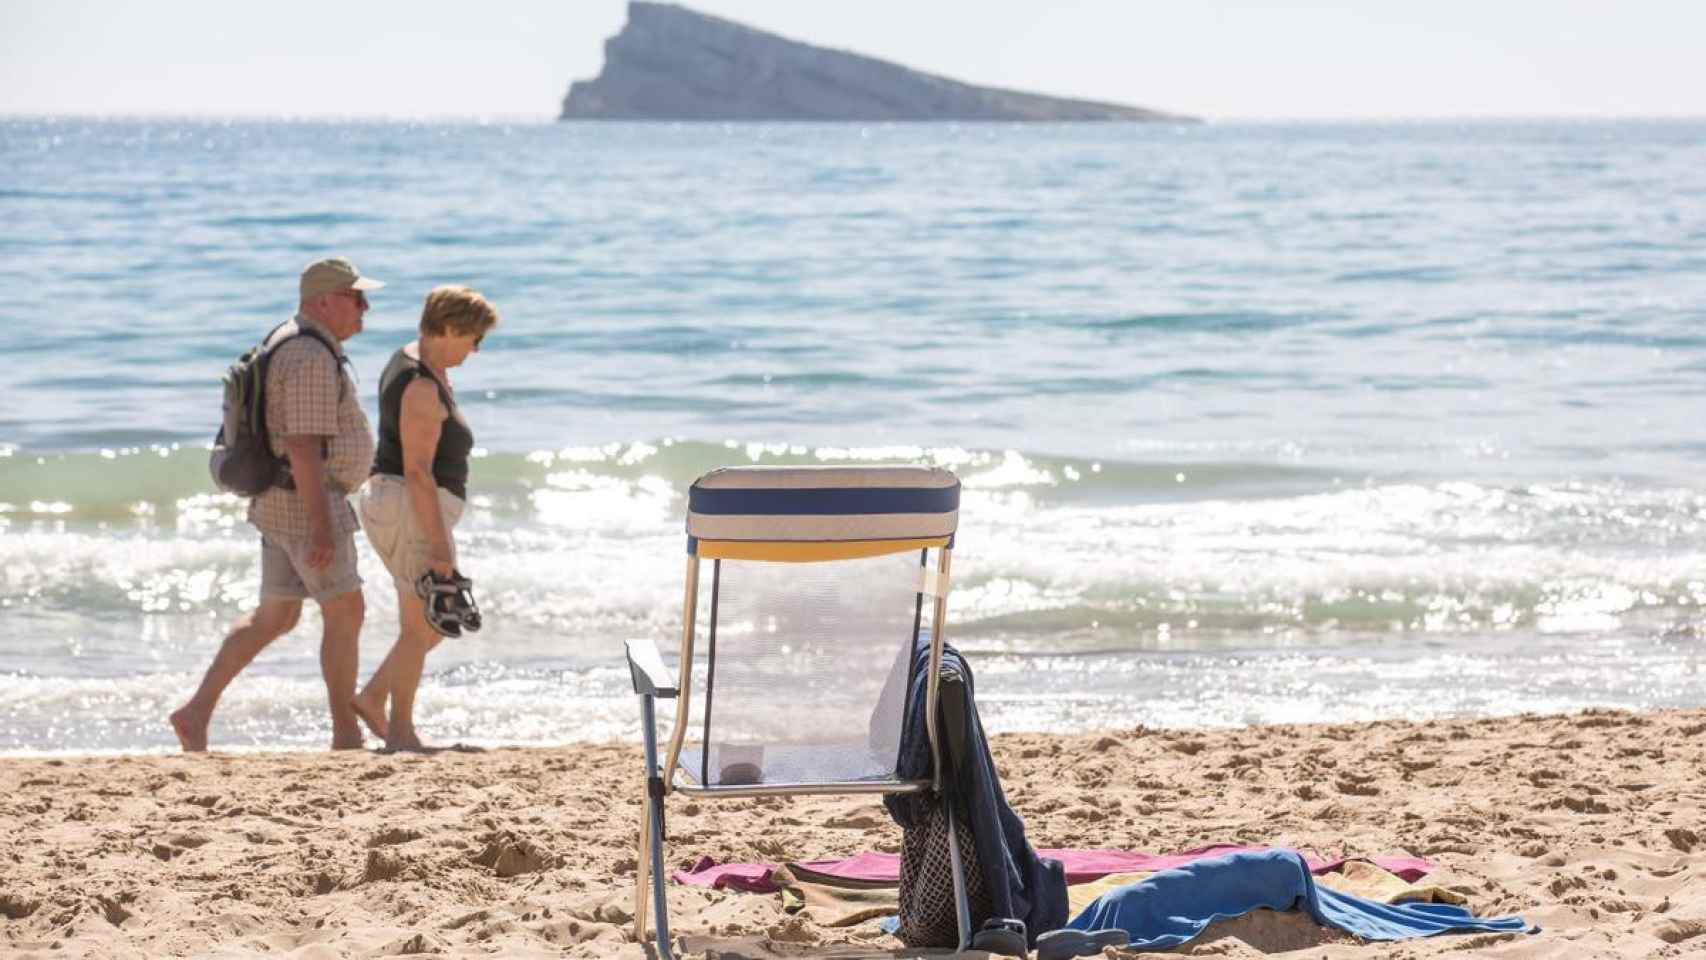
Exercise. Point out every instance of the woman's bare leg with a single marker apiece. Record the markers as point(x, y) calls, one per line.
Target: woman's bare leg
point(369, 704)
point(402, 669)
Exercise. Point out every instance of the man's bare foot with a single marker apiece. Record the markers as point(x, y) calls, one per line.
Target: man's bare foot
point(191, 727)
point(406, 742)
point(372, 714)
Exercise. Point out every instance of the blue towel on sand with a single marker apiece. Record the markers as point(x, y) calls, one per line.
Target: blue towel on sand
point(1173, 906)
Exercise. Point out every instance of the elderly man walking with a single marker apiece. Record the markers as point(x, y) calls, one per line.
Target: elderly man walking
point(316, 426)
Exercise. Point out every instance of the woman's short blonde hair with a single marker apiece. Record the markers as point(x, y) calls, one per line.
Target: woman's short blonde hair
point(455, 310)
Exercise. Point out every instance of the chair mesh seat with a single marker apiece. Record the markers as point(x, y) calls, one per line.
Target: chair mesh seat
point(811, 672)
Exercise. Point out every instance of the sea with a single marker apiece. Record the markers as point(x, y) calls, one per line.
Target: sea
point(1256, 422)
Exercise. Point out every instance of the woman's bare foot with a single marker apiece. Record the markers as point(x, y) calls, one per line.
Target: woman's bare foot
point(372, 714)
point(191, 727)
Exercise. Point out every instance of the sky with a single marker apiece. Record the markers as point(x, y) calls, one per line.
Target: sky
point(1221, 60)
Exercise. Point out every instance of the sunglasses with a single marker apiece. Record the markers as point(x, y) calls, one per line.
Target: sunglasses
point(356, 295)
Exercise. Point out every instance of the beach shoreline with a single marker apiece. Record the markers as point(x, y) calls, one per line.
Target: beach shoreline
point(1589, 825)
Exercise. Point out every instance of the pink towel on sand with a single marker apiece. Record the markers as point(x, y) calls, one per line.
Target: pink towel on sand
point(745, 877)
point(1082, 866)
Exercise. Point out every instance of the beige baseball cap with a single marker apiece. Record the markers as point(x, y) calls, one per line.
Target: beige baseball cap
point(331, 275)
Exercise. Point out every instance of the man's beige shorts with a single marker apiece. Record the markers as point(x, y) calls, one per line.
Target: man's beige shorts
point(285, 571)
point(395, 529)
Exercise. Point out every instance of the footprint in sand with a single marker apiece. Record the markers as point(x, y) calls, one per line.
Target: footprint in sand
point(1677, 931)
point(863, 818)
point(511, 856)
point(112, 908)
point(1581, 805)
point(176, 845)
point(14, 906)
point(319, 883)
point(1351, 786)
point(382, 865)
point(393, 836)
point(413, 944)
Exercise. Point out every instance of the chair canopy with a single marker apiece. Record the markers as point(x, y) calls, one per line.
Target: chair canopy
point(821, 513)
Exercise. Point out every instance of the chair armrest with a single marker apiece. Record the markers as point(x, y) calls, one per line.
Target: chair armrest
point(648, 672)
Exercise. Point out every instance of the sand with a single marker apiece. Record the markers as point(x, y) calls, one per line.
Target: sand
point(1591, 825)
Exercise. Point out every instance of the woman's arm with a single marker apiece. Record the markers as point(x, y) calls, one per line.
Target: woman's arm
point(421, 420)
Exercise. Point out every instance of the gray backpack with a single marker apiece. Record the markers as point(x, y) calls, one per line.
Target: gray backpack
point(242, 460)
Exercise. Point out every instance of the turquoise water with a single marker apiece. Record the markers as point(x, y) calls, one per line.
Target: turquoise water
point(1257, 422)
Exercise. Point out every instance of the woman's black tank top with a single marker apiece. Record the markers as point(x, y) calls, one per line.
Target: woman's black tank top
point(455, 438)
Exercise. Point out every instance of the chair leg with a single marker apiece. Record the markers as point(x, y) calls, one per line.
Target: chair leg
point(660, 904)
point(643, 868)
point(651, 835)
point(962, 906)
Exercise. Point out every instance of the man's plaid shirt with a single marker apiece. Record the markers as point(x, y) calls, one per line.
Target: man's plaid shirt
point(309, 392)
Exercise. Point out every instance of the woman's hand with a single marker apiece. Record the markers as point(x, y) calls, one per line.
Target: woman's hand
point(441, 564)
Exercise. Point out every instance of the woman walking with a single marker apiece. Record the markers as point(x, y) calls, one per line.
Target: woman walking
point(413, 499)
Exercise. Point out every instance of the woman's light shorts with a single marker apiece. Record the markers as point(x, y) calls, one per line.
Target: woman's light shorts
point(394, 528)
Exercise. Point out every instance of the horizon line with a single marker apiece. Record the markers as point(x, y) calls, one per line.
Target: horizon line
point(545, 119)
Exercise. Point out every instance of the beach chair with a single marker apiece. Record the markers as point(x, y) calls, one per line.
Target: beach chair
point(824, 582)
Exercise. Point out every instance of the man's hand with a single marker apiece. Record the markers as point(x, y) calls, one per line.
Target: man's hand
point(320, 548)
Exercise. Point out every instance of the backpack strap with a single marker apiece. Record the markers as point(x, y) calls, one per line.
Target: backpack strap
point(315, 335)
point(265, 362)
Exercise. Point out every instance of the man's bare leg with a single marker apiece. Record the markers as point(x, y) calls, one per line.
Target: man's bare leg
point(248, 637)
point(339, 662)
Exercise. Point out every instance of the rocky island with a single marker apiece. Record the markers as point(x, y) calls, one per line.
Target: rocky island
point(671, 63)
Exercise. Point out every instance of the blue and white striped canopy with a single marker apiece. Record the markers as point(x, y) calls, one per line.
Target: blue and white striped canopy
point(835, 504)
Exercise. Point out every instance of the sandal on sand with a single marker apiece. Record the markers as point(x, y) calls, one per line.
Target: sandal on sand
point(1060, 944)
point(1003, 937)
point(450, 607)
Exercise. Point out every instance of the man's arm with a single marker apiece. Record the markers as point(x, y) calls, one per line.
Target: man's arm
point(309, 376)
point(308, 469)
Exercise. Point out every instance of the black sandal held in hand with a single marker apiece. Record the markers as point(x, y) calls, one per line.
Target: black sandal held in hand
point(450, 607)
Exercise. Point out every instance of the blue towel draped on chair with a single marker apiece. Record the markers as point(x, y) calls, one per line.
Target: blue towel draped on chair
point(1021, 884)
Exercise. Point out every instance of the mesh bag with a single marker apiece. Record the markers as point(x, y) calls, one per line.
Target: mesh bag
point(927, 913)
point(807, 672)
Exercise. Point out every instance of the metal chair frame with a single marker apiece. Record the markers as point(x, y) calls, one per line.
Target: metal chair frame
point(652, 682)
